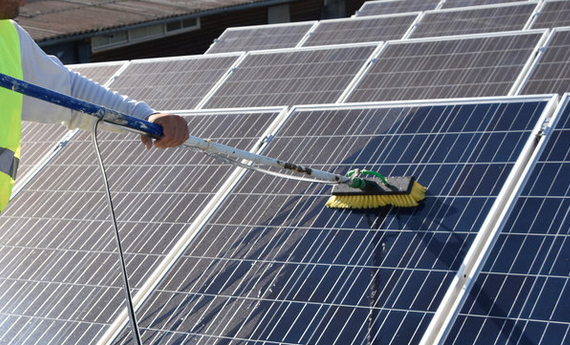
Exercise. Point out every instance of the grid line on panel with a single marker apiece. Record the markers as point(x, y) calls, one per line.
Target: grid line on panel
point(289, 77)
point(173, 84)
point(523, 291)
point(552, 70)
point(274, 265)
point(448, 68)
point(354, 30)
point(260, 37)
point(474, 20)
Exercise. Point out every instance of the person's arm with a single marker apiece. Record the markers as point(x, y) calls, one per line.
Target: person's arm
point(49, 72)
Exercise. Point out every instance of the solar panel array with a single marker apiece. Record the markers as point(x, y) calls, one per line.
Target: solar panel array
point(274, 265)
point(219, 255)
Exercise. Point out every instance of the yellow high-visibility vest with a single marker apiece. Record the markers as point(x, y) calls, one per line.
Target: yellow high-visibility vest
point(10, 111)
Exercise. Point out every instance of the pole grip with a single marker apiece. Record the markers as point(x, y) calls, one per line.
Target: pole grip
point(106, 114)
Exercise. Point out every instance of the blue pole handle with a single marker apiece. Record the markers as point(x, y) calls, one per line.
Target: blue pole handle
point(106, 114)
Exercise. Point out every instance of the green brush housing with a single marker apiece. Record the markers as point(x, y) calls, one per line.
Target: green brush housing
point(375, 186)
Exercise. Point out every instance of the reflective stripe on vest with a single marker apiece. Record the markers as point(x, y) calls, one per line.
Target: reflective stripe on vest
point(10, 110)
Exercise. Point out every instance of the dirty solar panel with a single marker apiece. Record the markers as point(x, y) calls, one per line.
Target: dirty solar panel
point(273, 265)
point(473, 21)
point(552, 72)
point(260, 37)
point(469, 3)
point(300, 76)
point(60, 282)
point(372, 8)
point(553, 14)
point(447, 68)
point(522, 295)
point(173, 84)
point(366, 29)
point(38, 139)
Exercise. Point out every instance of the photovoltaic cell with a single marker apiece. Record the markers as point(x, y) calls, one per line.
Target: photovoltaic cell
point(289, 77)
point(273, 265)
point(366, 29)
point(175, 83)
point(447, 68)
point(553, 14)
point(260, 37)
point(468, 3)
point(552, 71)
point(472, 21)
point(59, 277)
point(372, 8)
point(522, 295)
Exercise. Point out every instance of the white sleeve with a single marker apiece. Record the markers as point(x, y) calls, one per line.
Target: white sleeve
point(47, 71)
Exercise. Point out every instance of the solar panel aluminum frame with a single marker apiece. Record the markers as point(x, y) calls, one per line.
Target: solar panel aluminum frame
point(60, 144)
point(541, 51)
point(480, 249)
point(202, 218)
point(250, 27)
point(353, 19)
point(352, 87)
point(357, 77)
point(483, 7)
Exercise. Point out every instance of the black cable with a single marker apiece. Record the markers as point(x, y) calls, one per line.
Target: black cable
point(129, 301)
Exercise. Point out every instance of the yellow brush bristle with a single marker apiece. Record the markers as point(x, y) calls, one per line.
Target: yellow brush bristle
point(417, 194)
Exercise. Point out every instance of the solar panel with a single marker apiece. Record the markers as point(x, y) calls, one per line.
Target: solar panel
point(523, 292)
point(552, 70)
point(462, 21)
point(366, 29)
point(459, 66)
point(174, 83)
point(273, 265)
point(59, 270)
point(467, 3)
point(260, 37)
point(553, 14)
point(372, 8)
point(289, 77)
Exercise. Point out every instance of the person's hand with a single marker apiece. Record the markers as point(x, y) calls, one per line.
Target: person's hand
point(174, 129)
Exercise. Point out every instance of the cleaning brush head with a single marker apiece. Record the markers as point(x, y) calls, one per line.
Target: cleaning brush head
point(378, 191)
